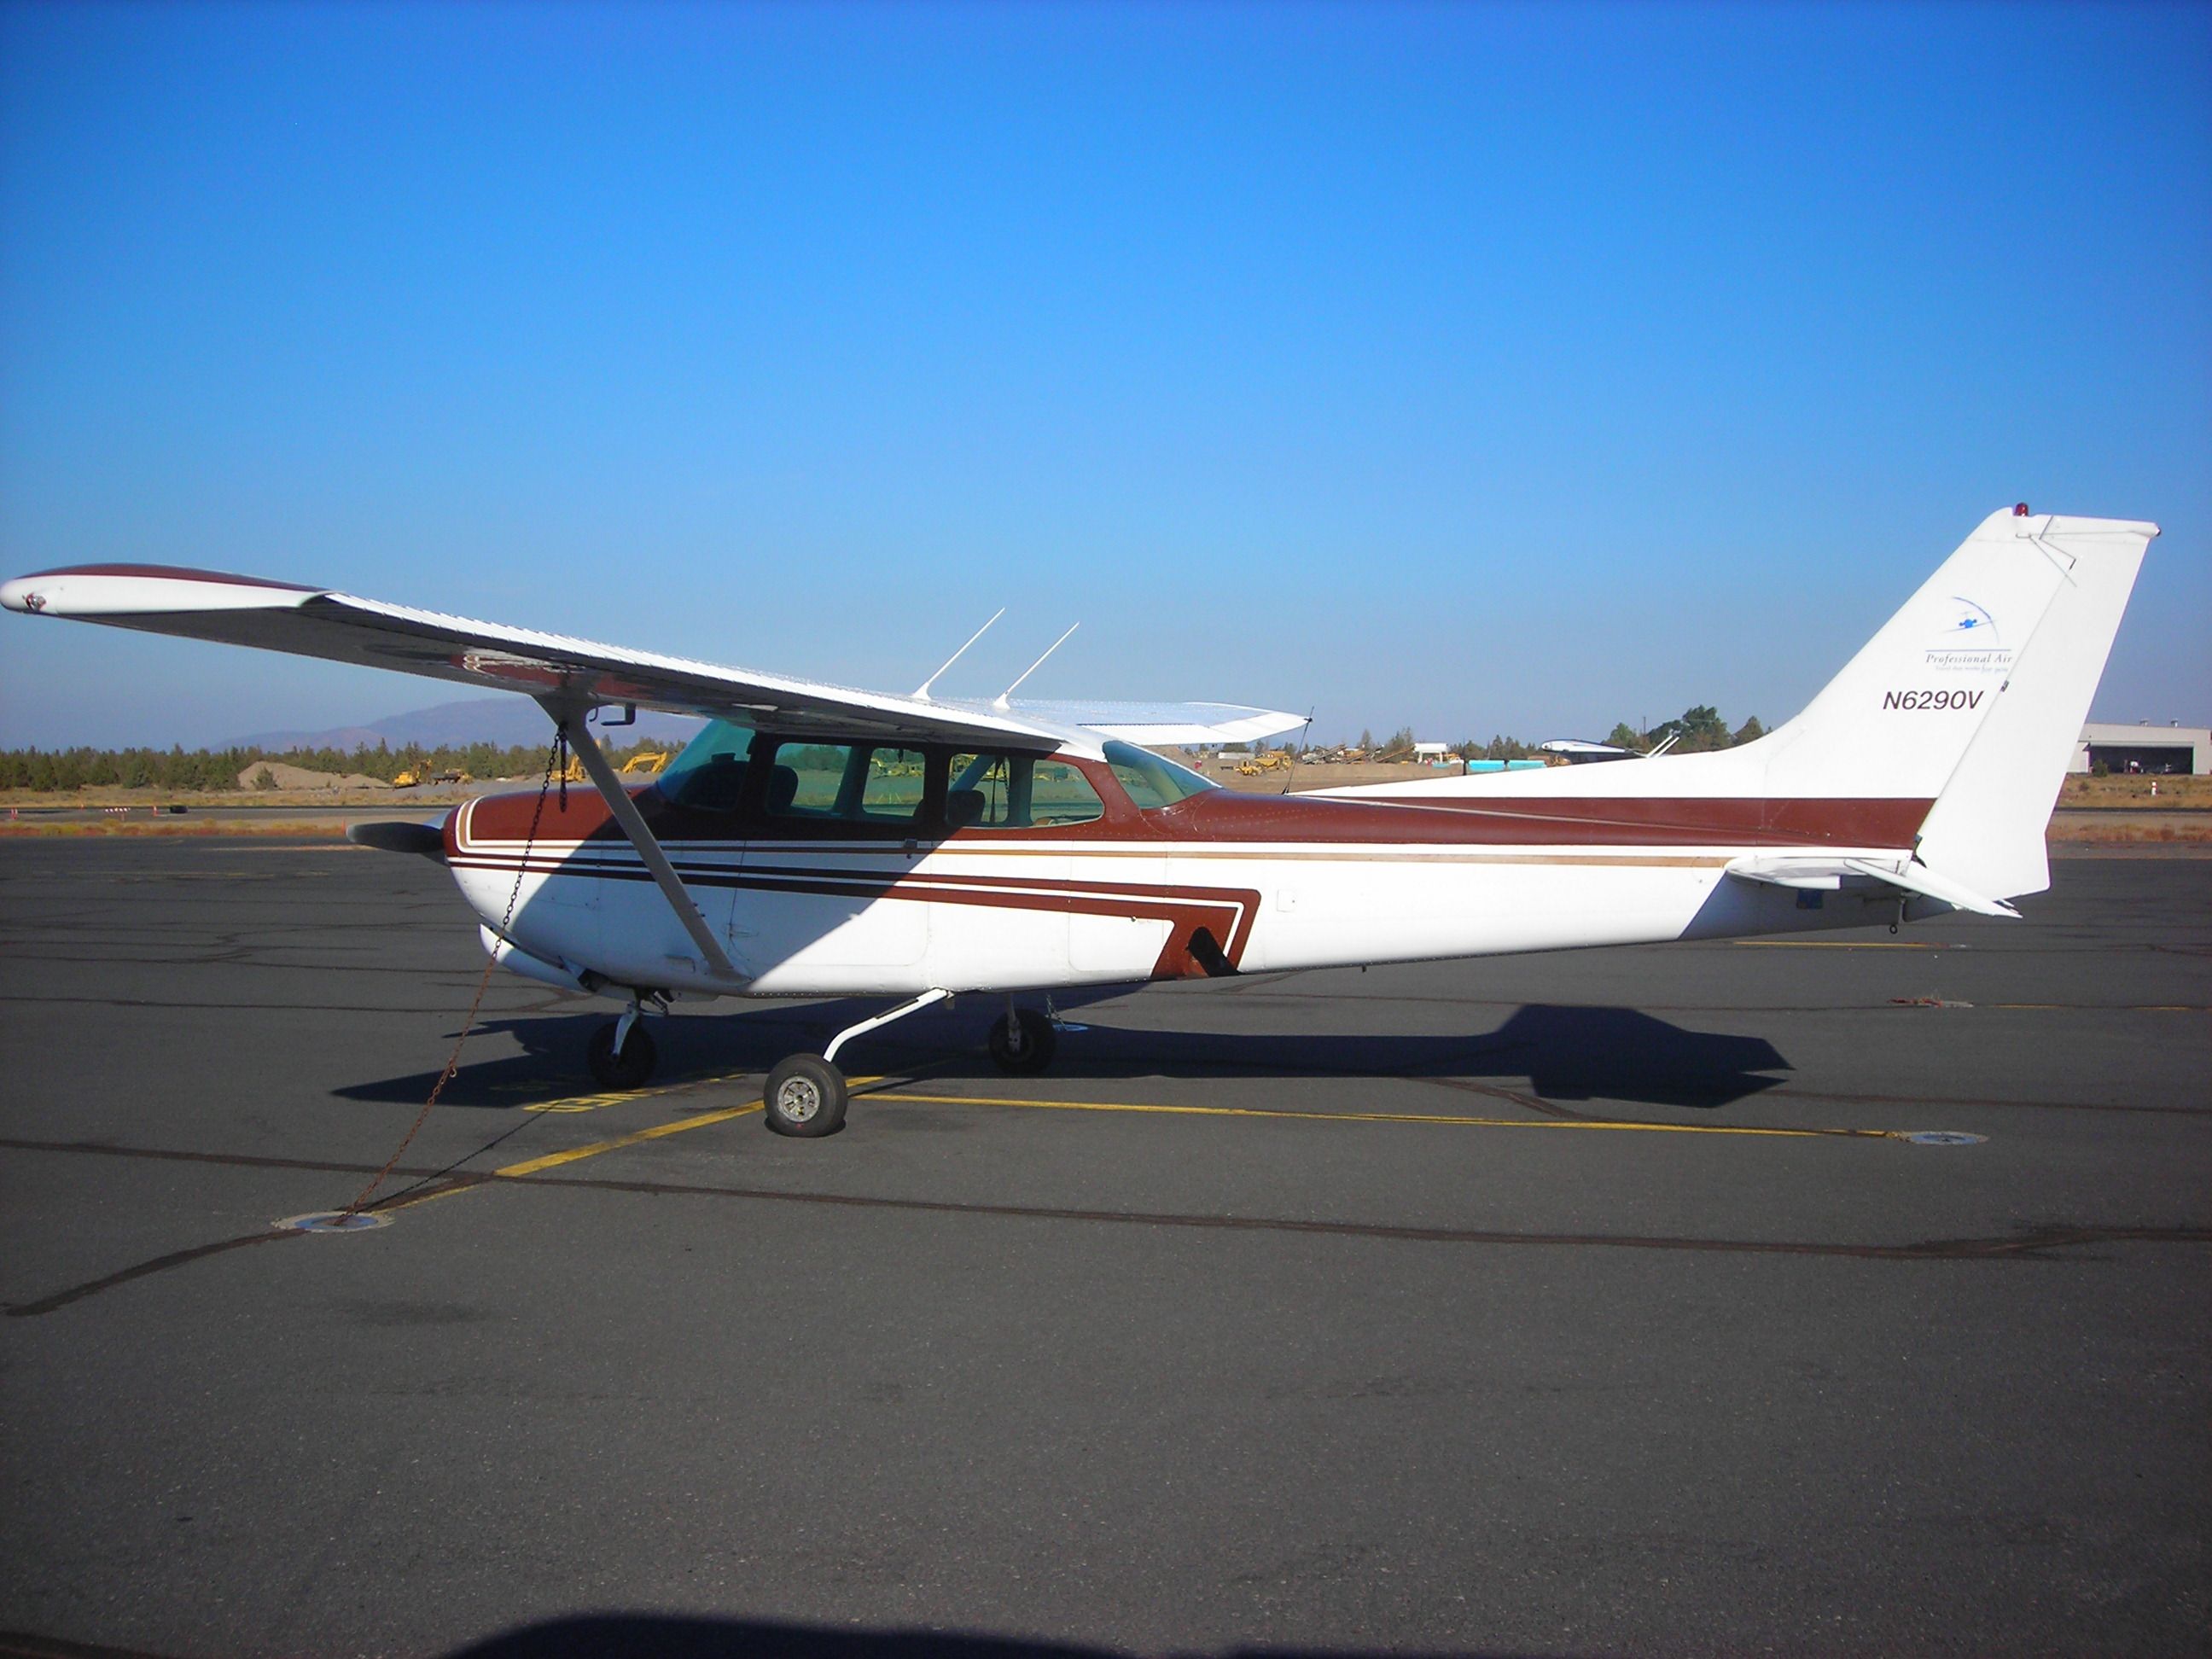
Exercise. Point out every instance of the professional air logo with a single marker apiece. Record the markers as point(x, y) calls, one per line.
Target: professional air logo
point(1969, 643)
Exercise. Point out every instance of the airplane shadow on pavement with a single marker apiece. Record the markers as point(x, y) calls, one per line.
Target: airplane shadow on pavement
point(618, 1636)
point(1566, 1052)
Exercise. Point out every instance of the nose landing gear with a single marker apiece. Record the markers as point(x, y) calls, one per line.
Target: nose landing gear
point(806, 1096)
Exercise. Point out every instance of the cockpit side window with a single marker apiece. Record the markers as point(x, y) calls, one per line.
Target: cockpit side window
point(1018, 791)
point(710, 776)
point(848, 791)
point(806, 779)
point(1151, 781)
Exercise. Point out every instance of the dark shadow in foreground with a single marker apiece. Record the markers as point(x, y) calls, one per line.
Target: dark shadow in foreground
point(652, 1636)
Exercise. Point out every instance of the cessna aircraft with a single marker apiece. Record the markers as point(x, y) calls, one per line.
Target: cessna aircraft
point(818, 841)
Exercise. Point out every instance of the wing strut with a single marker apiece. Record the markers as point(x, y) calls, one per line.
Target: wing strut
point(602, 773)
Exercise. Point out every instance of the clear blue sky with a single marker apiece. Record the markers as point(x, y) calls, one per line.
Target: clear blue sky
point(1483, 368)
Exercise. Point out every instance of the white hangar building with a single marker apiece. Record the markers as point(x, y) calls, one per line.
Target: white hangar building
point(2143, 747)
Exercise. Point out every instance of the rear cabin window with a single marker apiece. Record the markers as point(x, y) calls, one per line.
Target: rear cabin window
point(893, 788)
point(847, 783)
point(1018, 791)
point(1151, 781)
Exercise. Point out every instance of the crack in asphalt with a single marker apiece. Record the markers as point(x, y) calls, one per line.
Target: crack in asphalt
point(2035, 1243)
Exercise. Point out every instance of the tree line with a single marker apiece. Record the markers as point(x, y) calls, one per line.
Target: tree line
point(215, 771)
point(1696, 730)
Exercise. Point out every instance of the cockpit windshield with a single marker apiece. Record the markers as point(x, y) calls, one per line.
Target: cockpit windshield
point(710, 776)
point(1151, 781)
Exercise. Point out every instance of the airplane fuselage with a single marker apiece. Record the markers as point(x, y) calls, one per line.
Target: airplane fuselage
point(1217, 883)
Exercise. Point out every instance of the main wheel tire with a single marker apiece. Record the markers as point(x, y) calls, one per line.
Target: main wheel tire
point(1028, 1054)
point(806, 1097)
point(630, 1067)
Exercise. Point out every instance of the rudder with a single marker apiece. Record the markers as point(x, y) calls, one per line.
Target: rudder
point(1988, 824)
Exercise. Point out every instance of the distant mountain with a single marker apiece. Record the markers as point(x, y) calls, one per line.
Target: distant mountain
point(503, 721)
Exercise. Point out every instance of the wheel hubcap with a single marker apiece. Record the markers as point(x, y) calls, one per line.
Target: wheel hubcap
point(798, 1099)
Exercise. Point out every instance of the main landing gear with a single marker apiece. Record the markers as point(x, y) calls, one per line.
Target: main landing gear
point(622, 1052)
point(807, 1097)
point(1023, 1043)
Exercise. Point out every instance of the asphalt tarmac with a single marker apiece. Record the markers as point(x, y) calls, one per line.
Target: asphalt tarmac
point(1586, 1304)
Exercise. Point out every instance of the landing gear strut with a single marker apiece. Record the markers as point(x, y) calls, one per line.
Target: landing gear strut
point(806, 1096)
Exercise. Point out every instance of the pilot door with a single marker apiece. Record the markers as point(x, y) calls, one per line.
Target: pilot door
point(821, 896)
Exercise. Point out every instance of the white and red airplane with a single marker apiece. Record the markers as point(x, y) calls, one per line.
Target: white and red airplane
point(815, 840)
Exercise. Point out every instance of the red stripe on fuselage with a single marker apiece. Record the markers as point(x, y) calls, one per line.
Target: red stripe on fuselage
point(1220, 815)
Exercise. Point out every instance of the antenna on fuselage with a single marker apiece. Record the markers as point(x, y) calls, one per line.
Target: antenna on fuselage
point(921, 693)
point(999, 703)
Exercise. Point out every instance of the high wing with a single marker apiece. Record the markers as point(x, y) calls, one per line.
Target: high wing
point(317, 621)
point(1164, 722)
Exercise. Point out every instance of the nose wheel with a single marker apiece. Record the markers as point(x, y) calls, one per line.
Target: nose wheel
point(805, 1097)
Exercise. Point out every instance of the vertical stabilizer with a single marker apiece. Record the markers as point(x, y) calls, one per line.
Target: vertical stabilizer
point(1988, 824)
point(1898, 718)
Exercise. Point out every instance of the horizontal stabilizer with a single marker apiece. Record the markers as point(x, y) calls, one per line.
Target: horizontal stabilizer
point(1829, 874)
point(1918, 878)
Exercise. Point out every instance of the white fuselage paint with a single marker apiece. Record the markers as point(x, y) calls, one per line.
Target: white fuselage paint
point(997, 917)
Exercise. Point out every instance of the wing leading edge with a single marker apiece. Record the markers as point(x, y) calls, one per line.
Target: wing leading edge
point(316, 622)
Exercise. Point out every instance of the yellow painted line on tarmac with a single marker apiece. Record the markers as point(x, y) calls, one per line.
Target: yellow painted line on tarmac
point(586, 1103)
point(470, 1182)
point(618, 1096)
point(592, 1102)
point(577, 1154)
point(659, 1131)
point(2095, 1008)
point(1391, 1117)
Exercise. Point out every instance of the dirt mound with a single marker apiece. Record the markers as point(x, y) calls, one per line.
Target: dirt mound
point(299, 777)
